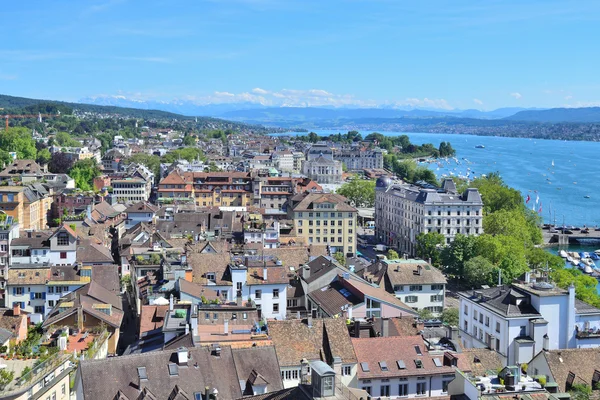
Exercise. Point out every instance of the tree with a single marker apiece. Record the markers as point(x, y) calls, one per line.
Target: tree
point(393, 254)
point(6, 377)
point(187, 153)
point(84, 172)
point(360, 192)
point(496, 195)
point(450, 316)
point(18, 140)
point(428, 246)
point(478, 271)
point(313, 137)
point(212, 167)
point(580, 391)
point(65, 140)
point(189, 140)
point(150, 161)
point(457, 253)
point(60, 163)
point(43, 156)
point(425, 314)
point(339, 257)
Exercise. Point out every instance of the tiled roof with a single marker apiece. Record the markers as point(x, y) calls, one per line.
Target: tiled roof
point(479, 361)
point(196, 290)
point(331, 300)
point(581, 362)
point(372, 352)
point(327, 338)
point(376, 292)
point(9, 321)
point(28, 276)
point(275, 275)
point(404, 272)
point(306, 204)
point(151, 318)
point(141, 207)
point(89, 252)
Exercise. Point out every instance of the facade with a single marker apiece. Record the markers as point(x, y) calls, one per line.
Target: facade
point(402, 211)
point(323, 170)
point(298, 161)
point(29, 205)
point(26, 289)
point(71, 203)
point(283, 160)
point(520, 320)
point(566, 368)
point(139, 212)
point(48, 381)
point(416, 282)
point(130, 190)
point(325, 219)
point(400, 367)
point(58, 247)
point(358, 159)
point(9, 230)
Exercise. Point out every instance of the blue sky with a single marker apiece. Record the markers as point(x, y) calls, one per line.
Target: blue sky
point(441, 54)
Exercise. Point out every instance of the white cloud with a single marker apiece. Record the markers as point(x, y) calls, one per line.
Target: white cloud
point(425, 102)
point(259, 91)
point(516, 95)
point(579, 104)
point(569, 97)
point(477, 101)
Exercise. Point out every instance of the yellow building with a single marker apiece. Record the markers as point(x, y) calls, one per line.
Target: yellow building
point(326, 219)
point(29, 205)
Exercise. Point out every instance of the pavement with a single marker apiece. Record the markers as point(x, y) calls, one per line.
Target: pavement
point(129, 327)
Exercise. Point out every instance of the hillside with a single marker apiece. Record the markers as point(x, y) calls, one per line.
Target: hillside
point(555, 115)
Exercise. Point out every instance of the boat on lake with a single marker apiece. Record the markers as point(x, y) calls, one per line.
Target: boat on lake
point(480, 146)
point(563, 254)
point(586, 196)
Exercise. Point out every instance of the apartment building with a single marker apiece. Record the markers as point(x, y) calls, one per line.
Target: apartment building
point(48, 380)
point(130, 190)
point(357, 159)
point(323, 170)
point(402, 211)
point(58, 247)
point(9, 230)
point(325, 219)
point(522, 319)
point(283, 160)
point(416, 282)
point(28, 205)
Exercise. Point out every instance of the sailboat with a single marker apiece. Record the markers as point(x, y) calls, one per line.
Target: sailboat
point(553, 163)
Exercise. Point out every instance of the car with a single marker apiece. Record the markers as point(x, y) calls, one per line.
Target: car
point(554, 230)
point(568, 231)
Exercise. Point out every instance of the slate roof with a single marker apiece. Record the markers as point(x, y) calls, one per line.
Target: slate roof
point(478, 361)
point(9, 321)
point(372, 351)
point(584, 308)
point(28, 276)
point(254, 363)
point(38, 240)
point(294, 393)
point(196, 290)
point(20, 167)
point(501, 301)
point(375, 292)
point(403, 272)
point(89, 252)
point(331, 300)
point(581, 362)
point(327, 338)
point(141, 207)
point(104, 379)
point(320, 266)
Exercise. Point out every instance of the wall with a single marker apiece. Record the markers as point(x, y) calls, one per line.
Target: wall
point(423, 296)
point(434, 385)
point(266, 301)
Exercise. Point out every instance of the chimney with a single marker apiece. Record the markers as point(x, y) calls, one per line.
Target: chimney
point(337, 365)
point(309, 321)
point(419, 270)
point(385, 327)
point(182, 356)
point(349, 311)
point(171, 303)
point(306, 272)
point(265, 273)
point(357, 329)
point(546, 343)
point(226, 327)
point(16, 309)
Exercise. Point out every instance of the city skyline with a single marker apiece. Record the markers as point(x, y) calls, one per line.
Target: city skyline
point(443, 55)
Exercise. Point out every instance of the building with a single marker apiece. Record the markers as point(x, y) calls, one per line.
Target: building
point(402, 211)
point(283, 160)
point(48, 380)
point(72, 202)
point(130, 190)
point(313, 339)
point(323, 170)
point(357, 159)
point(140, 212)
point(26, 289)
point(215, 372)
point(416, 282)
point(112, 159)
point(569, 367)
point(18, 168)
point(27, 204)
point(9, 230)
point(327, 219)
point(400, 367)
point(89, 307)
point(58, 247)
point(520, 320)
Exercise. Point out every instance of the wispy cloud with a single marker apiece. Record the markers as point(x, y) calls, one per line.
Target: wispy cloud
point(146, 59)
point(8, 77)
point(516, 95)
point(477, 101)
point(100, 7)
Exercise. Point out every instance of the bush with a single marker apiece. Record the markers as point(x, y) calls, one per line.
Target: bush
point(542, 380)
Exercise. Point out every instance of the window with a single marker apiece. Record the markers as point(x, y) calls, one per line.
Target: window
point(275, 307)
point(487, 321)
point(367, 389)
point(233, 315)
point(347, 370)
point(384, 390)
point(437, 287)
point(239, 285)
point(437, 297)
point(475, 315)
point(275, 293)
point(421, 388)
point(63, 255)
point(38, 309)
point(466, 310)
point(445, 385)
point(18, 291)
point(416, 288)
point(398, 288)
point(62, 239)
point(411, 299)
point(51, 303)
point(63, 389)
point(498, 327)
point(523, 330)
point(403, 390)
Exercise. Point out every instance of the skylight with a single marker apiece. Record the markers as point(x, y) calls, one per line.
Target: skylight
point(419, 363)
point(418, 350)
point(437, 362)
point(365, 366)
point(173, 369)
point(142, 373)
point(383, 366)
point(401, 364)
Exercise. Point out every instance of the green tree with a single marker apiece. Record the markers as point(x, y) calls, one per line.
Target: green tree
point(580, 391)
point(360, 192)
point(43, 157)
point(425, 314)
point(313, 137)
point(150, 161)
point(212, 167)
point(339, 257)
point(450, 316)
point(6, 377)
point(187, 153)
point(393, 254)
point(64, 139)
point(18, 140)
point(189, 140)
point(496, 195)
point(84, 172)
point(457, 253)
point(479, 271)
point(429, 246)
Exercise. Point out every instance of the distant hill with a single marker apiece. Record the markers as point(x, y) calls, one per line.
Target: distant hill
point(555, 115)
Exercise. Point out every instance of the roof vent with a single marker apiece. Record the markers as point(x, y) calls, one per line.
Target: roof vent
point(182, 356)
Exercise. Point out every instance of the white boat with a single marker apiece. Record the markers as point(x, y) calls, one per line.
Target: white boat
point(586, 254)
point(586, 261)
point(569, 259)
point(563, 254)
point(588, 269)
point(553, 163)
point(597, 252)
point(574, 263)
point(575, 255)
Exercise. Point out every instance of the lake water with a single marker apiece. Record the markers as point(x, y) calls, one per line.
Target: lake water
point(526, 165)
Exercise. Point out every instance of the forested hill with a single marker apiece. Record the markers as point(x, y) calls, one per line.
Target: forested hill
point(557, 115)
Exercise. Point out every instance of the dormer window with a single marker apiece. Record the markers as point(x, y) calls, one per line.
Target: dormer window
point(62, 239)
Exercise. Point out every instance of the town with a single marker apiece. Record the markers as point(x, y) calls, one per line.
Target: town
point(170, 265)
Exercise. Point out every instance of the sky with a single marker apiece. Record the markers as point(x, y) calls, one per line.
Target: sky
point(453, 54)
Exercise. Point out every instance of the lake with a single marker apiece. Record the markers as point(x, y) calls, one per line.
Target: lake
point(526, 165)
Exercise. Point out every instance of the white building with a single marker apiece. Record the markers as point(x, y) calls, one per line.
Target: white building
point(269, 236)
point(521, 319)
point(402, 211)
point(415, 282)
point(139, 212)
point(400, 367)
point(283, 160)
point(43, 247)
point(130, 190)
